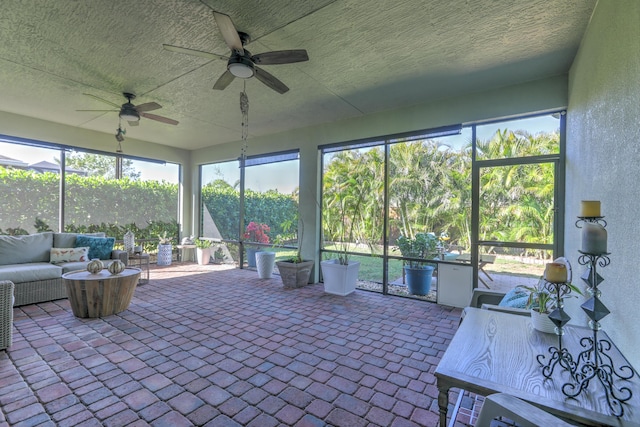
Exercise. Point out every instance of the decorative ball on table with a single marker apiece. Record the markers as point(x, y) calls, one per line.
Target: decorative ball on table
point(116, 267)
point(95, 266)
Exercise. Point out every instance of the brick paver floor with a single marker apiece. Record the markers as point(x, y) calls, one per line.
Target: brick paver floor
point(209, 345)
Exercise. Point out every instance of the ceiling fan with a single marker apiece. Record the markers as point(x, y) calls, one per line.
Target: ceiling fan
point(132, 113)
point(241, 63)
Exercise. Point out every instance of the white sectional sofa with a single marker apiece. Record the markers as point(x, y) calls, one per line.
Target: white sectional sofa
point(26, 261)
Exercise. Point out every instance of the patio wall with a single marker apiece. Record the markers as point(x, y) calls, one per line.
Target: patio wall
point(603, 154)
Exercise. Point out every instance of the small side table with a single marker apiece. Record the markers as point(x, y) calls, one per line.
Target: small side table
point(191, 252)
point(142, 262)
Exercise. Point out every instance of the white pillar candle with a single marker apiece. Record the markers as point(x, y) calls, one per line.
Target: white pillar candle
point(590, 208)
point(594, 239)
point(555, 272)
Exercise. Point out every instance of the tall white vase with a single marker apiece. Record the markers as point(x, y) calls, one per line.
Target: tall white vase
point(264, 264)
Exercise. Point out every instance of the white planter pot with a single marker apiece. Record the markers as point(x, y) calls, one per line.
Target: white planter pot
point(204, 255)
point(339, 279)
point(542, 323)
point(164, 254)
point(264, 264)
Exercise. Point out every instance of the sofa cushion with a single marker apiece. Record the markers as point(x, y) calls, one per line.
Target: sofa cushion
point(515, 298)
point(68, 240)
point(60, 255)
point(25, 249)
point(99, 247)
point(19, 273)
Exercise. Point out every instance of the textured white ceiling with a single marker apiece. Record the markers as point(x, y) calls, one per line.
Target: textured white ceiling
point(365, 57)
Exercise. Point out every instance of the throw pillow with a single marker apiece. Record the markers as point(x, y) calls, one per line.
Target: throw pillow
point(99, 247)
point(60, 255)
point(515, 298)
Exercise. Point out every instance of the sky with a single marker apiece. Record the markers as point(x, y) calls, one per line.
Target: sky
point(31, 155)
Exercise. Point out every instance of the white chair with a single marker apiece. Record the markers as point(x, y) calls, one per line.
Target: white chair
point(523, 413)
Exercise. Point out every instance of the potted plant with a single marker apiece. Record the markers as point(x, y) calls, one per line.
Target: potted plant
point(345, 200)
point(165, 250)
point(294, 271)
point(203, 250)
point(258, 233)
point(418, 272)
point(218, 255)
point(543, 299)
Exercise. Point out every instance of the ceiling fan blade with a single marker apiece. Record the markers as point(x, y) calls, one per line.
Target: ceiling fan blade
point(281, 57)
point(194, 52)
point(137, 123)
point(149, 106)
point(271, 81)
point(102, 111)
point(229, 32)
point(224, 80)
point(102, 100)
point(160, 118)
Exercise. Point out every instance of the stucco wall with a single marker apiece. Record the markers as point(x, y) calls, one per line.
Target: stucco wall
point(603, 160)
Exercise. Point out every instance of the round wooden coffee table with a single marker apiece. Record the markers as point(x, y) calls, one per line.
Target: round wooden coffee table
point(102, 294)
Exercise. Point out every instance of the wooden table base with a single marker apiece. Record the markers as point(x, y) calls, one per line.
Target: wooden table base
point(102, 294)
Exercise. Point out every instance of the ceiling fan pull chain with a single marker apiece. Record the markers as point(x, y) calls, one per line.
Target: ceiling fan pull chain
point(244, 109)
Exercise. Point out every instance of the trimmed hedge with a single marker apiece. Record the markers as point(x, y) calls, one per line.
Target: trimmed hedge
point(147, 208)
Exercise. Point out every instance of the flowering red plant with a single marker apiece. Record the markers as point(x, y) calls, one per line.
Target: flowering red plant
point(256, 232)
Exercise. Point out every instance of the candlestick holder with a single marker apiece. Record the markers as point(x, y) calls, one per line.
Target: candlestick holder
point(592, 219)
point(558, 355)
point(594, 361)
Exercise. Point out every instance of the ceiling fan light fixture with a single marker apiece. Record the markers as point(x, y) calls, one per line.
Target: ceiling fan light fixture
point(240, 67)
point(129, 114)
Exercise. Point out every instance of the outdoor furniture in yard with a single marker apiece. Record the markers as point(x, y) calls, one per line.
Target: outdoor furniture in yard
point(102, 294)
point(484, 260)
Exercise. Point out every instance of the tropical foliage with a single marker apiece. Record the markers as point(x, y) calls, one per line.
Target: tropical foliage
point(424, 246)
point(429, 190)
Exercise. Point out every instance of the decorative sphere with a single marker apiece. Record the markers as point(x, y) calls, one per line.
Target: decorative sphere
point(116, 267)
point(95, 266)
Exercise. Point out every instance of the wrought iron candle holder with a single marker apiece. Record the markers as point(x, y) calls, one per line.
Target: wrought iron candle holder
point(592, 219)
point(558, 355)
point(594, 361)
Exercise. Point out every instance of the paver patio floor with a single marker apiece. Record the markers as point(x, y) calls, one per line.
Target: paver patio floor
point(209, 345)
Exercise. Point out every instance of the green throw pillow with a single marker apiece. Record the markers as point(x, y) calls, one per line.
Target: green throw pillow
point(515, 298)
point(99, 247)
